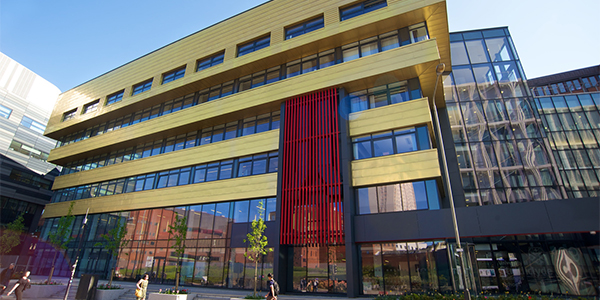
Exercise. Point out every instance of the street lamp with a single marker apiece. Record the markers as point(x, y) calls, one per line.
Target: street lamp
point(439, 69)
point(78, 254)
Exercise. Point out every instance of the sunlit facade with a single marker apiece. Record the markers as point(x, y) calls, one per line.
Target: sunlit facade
point(325, 116)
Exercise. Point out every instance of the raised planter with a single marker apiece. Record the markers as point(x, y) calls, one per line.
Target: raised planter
point(109, 294)
point(43, 291)
point(157, 296)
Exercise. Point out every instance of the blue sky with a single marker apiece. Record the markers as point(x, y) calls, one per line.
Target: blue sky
point(69, 42)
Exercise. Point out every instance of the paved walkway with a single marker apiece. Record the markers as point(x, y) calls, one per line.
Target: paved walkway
point(198, 292)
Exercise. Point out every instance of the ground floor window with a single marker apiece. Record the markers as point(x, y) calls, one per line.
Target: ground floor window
point(567, 264)
point(320, 269)
point(397, 268)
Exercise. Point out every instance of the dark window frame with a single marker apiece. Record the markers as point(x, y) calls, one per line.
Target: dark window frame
point(254, 45)
point(210, 61)
point(142, 87)
point(361, 8)
point(115, 97)
point(68, 115)
point(173, 75)
point(304, 27)
point(90, 107)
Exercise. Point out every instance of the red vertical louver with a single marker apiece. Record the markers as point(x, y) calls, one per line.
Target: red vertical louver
point(311, 206)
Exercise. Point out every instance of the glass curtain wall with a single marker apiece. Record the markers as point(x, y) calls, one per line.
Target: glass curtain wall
point(547, 264)
point(502, 152)
point(398, 268)
point(573, 126)
point(208, 260)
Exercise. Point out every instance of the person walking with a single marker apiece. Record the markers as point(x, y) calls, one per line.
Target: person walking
point(20, 286)
point(5, 276)
point(142, 285)
point(273, 289)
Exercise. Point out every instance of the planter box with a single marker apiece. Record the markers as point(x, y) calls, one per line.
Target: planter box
point(43, 291)
point(109, 294)
point(157, 296)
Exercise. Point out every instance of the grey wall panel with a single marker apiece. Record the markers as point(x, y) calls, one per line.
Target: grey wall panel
point(435, 224)
point(238, 234)
point(574, 215)
point(570, 215)
point(515, 218)
point(387, 227)
point(239, 231)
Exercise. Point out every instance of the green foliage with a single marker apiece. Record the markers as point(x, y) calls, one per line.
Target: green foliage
point(11, 235)
point(257, 241)
point(254, 297)
point(115, 241)
point(60, 237)
point(177, 232)
point(108, 287)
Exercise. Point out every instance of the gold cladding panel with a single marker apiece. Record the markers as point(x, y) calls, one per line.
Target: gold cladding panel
point(238, 147)
point(400, 115)
point(227, 35)
point(410, 166)
point(402, 63)
point(257, 186)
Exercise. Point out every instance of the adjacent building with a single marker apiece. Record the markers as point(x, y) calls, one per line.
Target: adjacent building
point(568, 104)
point(26, 176)
point(323, 115)
point(26, 101)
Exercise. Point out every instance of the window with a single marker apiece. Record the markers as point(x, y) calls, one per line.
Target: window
point(220, 170)
point(254, 45)
point(173, 75)
point(305, 27)
point(391, 142)
point(69, 115)
point(90, 107)
point(28, 150)
point(211, 61)
point(33, 125)
point(142, 87)
point(5, 111)
point(385, 95)
point(408, 196)
point(361, 8)
point(114, 98)
point(387, 41)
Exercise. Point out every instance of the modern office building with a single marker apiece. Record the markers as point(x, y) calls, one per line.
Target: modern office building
point(505, 158)
point(26, 102)
point(568, 104)
point(324, 114)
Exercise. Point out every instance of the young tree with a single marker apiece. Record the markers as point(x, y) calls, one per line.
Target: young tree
point(257, 241)
point(11, 235)
point(177, 232)
point(60, 237)
point(115, 242)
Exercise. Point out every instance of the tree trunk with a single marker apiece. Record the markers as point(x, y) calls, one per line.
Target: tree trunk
point(52, 269)
point(255, 272)
point(111, 276)
point(177, 270)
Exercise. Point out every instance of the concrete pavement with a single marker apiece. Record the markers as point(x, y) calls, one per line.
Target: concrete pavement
point(195, 293)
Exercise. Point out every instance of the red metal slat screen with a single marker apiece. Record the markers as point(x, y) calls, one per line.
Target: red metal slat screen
point(311, 209)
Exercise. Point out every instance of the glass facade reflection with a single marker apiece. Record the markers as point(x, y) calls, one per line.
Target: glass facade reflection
point(546, 264)
point(572, 123)
point(501, 150)
point(209, 258)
